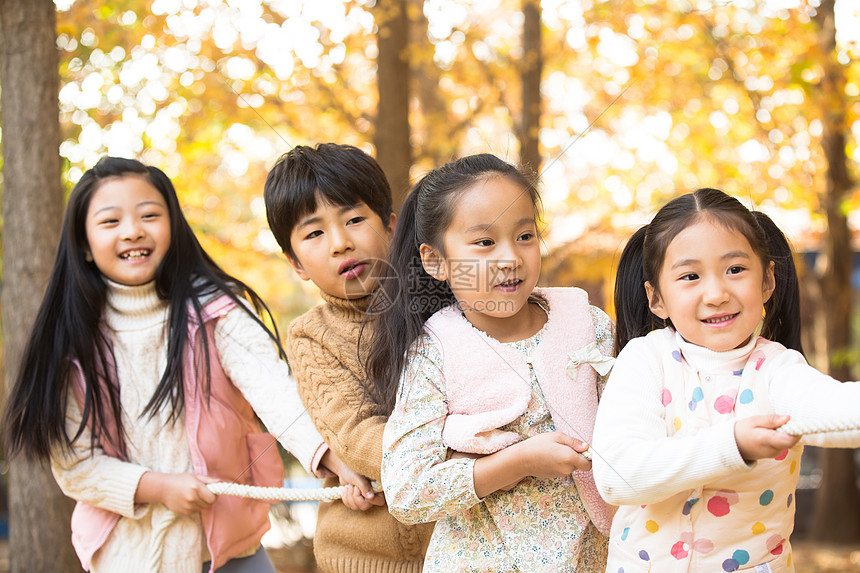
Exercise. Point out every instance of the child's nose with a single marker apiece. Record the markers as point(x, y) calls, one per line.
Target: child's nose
point(132, 229)
point(509, 258)
point(340, 242)
point(715, 292)
point(503, 264)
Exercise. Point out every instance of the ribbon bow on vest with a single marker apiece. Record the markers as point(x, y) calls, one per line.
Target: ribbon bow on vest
point(589, 354)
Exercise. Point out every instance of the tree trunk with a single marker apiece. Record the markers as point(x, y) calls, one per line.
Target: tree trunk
point(530, 73)
point(392, 117)
point(837, 505)
point(437, 141)
point(40, 535)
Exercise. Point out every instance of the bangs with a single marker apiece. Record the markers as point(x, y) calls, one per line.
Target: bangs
point(307, 201)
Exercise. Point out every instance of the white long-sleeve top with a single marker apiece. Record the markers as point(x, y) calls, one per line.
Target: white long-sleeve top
point(638, 463)
point(665, 452)
point(136, 318)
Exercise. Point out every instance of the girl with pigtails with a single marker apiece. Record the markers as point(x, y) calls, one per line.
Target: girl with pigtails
point(700, 430)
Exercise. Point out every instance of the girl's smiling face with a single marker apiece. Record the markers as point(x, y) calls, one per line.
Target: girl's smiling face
point(491, 257)
point(128, 230)
point(712, 286)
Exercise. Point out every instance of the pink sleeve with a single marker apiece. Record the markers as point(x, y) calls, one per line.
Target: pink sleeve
point(318, 470)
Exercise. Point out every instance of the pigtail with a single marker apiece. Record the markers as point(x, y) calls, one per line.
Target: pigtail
point(782, 310)
point(633, 313)
point(406, 297)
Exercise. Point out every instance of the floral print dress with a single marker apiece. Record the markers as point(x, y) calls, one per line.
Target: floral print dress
point(539, 525)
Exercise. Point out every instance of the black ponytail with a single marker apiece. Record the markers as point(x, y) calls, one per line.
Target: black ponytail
point(406, 297)
point(782, 310)
point(634, 316)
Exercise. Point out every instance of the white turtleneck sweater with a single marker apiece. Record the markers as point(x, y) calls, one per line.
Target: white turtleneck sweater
point(638, 463)
point(137, 318)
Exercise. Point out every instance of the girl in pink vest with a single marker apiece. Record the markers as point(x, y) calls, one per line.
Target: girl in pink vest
point(143, 380)
point(689, 439)
point(498, 380)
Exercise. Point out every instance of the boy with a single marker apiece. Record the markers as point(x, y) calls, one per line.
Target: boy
point(329, 207)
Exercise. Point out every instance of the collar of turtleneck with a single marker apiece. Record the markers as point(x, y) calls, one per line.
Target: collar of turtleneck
point(352, 309)
point(133, 307)
point(703, 358)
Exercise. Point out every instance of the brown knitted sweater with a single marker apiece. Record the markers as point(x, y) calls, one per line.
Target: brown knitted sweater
point(322, 347)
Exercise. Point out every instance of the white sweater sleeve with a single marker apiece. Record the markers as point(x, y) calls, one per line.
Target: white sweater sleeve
point(250, 359)
point(815, 401)
point(94, 477)
point(635, 461)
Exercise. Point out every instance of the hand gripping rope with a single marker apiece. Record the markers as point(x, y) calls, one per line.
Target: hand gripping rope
point(161, 525)
point(794, 429)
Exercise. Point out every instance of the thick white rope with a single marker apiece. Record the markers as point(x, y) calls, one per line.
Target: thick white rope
point(160, 526)
point(794, 428)
point(801, 429)
point(280, 493)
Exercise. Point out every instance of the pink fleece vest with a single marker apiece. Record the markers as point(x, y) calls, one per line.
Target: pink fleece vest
point(226, 442)
point(488, 384)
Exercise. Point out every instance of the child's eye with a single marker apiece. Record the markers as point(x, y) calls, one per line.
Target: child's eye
point(484, 243)
point(355, 220)
point(313, 234)
point(689, 277)
point(736, 269)
point(527, 236)
point(108, 221)
point(151, 216)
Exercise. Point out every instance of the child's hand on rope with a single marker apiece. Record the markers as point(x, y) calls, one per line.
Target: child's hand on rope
point(554, 454)
point(355, 500)
point(358, 494)
point(183, 494)
point(549, 455)
point(757, 438)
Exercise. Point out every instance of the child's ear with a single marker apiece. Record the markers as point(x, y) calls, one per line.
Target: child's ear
point(433, 262)
point(88, 255)
point(392, 225)
point(769, 283)
point(297, 266)
point(655, 301)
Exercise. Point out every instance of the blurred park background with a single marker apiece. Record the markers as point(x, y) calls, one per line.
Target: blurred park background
point(619, 105)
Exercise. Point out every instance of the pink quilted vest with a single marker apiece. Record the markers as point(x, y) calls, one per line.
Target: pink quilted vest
point(487, 384)
point(226, 442)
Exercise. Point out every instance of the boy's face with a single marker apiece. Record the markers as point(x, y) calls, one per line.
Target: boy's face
point(341, 249)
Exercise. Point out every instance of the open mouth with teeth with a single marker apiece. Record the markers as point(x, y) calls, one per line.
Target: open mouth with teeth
point(135, 255)
point(720, 319)
point(510, 283)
